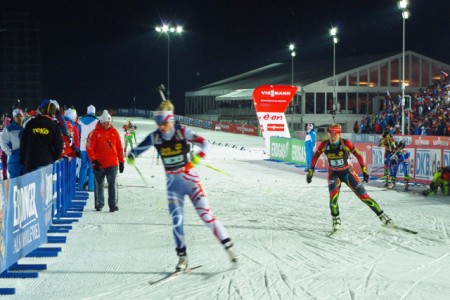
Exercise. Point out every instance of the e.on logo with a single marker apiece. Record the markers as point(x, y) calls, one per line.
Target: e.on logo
point(269, 117)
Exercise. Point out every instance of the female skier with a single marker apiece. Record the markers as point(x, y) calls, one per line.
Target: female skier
point(171, 142)
point(128, 136)
point(337, 151)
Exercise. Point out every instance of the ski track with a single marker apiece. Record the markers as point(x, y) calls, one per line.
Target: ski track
point(370, 272)
point(417, 282)
point(279, 225)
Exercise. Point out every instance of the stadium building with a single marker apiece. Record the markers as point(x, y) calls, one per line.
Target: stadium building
point(362, 86)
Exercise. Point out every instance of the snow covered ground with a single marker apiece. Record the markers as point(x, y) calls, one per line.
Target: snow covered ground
point(279, 225)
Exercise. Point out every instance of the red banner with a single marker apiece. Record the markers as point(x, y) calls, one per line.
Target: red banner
point(271, 102)
point(273, 98)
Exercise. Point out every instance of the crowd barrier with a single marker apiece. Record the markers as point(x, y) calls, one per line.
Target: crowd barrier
point(32, 207)
point(427, 154)
point(206, 124)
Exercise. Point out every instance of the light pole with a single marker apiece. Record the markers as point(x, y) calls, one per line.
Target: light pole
point(291, 48)
point(333, 33)
point(167, 30)
point(403, 6)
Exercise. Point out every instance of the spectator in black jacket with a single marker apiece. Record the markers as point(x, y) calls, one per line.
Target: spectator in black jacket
point(41, 142)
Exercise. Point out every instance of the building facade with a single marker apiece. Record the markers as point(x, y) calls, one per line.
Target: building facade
point(362, 86)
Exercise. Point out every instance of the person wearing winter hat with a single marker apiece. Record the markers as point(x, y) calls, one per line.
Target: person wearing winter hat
point(72, 142)
point(310, 145)
point(41, 141)
point(172, 140)
point(104, 149)
point(91, 110)
point(86, 124)
point(10, 143)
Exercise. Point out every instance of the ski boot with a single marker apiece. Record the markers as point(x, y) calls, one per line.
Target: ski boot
point(407, 178)
point(386, 220)
point(336, 223)
point(391, 185)
point(228, 244)
point(429, 192)
point(182, 260)
point(386, 175)
point(446, 188)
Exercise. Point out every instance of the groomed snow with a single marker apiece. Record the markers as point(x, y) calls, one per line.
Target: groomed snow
point(279, 225)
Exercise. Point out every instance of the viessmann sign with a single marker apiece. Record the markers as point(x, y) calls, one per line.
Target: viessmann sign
point(271, 102)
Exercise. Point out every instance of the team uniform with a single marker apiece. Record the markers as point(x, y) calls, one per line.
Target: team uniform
point(340, 170)
point(183, 179)
point(388, 143)
point(441, 179)
point(399, 158)
point(129, 135)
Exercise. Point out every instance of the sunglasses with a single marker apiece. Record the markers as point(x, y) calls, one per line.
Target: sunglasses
point(334, 131)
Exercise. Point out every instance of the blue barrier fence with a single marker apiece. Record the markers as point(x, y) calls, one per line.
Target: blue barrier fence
point(33, 206)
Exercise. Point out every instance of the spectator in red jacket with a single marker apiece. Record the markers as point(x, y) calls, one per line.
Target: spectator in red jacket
point(104, 149)
point(72, 141)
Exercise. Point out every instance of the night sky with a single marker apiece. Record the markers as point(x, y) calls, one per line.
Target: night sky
point(107, 54)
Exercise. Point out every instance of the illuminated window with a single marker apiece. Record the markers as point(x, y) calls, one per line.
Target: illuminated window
point(373, 79)
point(395, 72)
point(425, 73)
point(384, 79)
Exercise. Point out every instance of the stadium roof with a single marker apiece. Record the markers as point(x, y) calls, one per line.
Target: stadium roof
point(306, 75)
point(305, 72)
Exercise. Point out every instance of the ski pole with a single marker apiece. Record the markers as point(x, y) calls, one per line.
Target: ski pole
point(376, 170)
point(215, 169)
point(140, 174)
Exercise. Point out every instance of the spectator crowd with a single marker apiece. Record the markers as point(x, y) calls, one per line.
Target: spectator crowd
point(429, 114)
point(33, 139)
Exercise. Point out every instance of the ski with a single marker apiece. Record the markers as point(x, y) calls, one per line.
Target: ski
point(416, 192)
point(174, 275)
point(405, 229)
point(334, 232)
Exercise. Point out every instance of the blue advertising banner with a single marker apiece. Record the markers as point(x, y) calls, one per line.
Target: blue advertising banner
point(3, 204)
point(29, 213)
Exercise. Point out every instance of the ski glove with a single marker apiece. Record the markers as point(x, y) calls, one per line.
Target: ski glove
point(121, 167)
point(365, 175)
point(196, 159)
point(309, 176)
point(96, 165)
point(130, 158)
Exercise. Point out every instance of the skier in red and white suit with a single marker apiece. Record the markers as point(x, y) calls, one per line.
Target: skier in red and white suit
point(172, 143)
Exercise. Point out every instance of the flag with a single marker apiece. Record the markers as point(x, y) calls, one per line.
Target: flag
point(388, 101)
point(444, 73)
